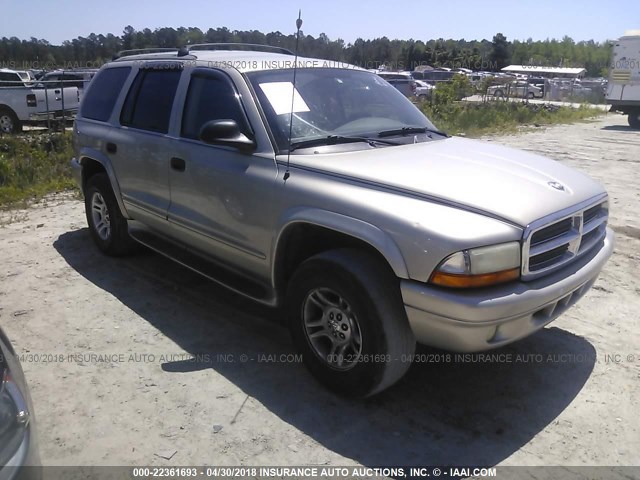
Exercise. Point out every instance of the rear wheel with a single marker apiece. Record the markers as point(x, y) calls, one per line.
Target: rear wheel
point(498, 93)
point(634, 119)
point(347, 318)
point(9, 122)
point(107, 225)
point(530, 95)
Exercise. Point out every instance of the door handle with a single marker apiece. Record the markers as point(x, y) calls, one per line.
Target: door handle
point(112, 147)
point(178, 164)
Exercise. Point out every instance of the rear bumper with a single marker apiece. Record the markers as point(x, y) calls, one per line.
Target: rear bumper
point(476, 320)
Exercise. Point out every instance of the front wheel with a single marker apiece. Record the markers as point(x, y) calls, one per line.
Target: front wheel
point(347, 318)
point(530, 95)
point(634, 119)
point(107, 225)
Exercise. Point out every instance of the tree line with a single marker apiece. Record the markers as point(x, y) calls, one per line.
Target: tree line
point(94, 50)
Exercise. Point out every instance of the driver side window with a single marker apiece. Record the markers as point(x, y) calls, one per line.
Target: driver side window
point(210, 98)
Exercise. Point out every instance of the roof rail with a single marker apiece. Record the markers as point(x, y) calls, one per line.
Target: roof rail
point(138, 51)
point(239, 46)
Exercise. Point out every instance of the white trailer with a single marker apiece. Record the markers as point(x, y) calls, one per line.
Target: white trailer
point(623, 90)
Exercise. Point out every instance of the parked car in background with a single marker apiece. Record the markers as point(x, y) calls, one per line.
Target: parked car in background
point(433, 76)
point(424, 90)
point(22, 103)
point(19, 456)
point(519, 89)
point(12, 78)
point(539, 82)
point(403, 81)
point(26, 77)
point(78, 78)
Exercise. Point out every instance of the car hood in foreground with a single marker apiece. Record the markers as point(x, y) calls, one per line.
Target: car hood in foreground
point(512, 184)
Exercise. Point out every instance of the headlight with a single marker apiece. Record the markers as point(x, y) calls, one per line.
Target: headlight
point(479, 267)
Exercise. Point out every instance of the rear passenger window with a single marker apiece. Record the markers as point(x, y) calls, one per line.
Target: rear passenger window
point(148, 104)
point(210, 97)
point(99, 101)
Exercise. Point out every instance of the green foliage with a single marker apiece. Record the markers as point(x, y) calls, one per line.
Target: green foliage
point(500, 55)
point(94, 49)
point(474, 118)
point(448, 92)
point(33, 165)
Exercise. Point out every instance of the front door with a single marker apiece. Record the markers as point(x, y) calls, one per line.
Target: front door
point(221, 197)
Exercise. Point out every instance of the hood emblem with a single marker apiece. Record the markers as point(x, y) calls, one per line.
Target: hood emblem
point(556, 185)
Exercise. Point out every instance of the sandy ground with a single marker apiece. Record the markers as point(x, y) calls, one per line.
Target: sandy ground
point(184, 373)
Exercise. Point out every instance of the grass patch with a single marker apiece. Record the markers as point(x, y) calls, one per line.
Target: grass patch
point(34, 165)
point(476, 119)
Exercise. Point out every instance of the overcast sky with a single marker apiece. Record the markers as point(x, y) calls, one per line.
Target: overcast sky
point(418, 19)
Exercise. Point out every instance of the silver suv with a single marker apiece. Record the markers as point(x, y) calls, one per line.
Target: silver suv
point(338, 200)
point(403, 81)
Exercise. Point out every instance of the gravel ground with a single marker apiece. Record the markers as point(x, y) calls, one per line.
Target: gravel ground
point(185, 373)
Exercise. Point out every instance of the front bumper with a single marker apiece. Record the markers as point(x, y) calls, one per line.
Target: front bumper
point(476, 320)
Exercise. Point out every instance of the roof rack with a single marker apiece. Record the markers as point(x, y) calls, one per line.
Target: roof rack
point(239, 46)
point(139, 51)
point(184, 51)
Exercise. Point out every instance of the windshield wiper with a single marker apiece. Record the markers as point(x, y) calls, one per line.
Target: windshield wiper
point(337, 139)
point(409, 131)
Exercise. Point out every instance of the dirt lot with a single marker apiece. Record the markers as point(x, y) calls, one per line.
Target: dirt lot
point(184, 373)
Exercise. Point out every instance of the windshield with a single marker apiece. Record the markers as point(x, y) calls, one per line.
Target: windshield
point(332, 102)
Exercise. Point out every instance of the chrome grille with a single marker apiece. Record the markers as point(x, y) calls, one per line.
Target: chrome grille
point(552, 242)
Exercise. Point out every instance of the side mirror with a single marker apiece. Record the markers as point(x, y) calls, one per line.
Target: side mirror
point(225, 132)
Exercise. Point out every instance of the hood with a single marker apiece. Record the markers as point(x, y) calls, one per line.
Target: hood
point(515, 185)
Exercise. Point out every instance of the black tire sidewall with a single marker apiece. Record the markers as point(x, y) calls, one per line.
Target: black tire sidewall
point(112, 245)
point(364, 377)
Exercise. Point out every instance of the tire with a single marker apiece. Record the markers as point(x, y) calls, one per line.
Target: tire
point(373, 337)
point(531, 95)
point(107, 225)
point(498, 93)
point(9, 122)
point(634, 119)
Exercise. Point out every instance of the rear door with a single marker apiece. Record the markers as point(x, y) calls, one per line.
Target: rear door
point(140, 148)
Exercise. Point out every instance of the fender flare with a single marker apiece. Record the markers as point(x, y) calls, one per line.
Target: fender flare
point(346, 225)
point(90, 154)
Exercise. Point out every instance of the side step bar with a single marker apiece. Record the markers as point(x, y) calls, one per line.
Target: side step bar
point(213, 271)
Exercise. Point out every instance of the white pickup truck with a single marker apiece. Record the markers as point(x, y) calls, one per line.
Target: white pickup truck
point(23, 104)
point(623, 90)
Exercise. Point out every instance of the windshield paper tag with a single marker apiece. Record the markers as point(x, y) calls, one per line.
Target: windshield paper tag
point(279, 96)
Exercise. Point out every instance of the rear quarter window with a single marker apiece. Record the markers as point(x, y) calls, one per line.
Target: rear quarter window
point(99, 101)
